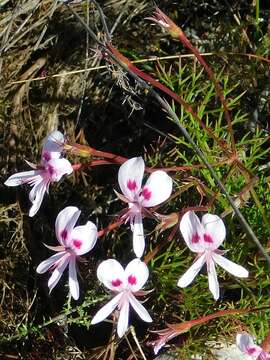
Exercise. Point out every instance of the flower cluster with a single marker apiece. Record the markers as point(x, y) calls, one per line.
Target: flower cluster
point(202, 237)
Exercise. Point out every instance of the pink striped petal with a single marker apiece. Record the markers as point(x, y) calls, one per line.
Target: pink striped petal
point(58, 272)
point(25, 177)
point(48, 263)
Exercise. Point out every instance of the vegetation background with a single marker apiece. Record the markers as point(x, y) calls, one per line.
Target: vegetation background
point(44, 86)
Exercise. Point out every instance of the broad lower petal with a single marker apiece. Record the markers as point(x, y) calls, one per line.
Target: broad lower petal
point(36, 196)
point(106, 310)
point(139, 308)
point(52, 147)
point(58, 272)
point(130, 177)
point(56, 168)
point(138, 236)
point(212, 279)
point(246, 344)
point(48, 263)
point(26, 177)
point(192, 272)
point(214, 226)
point(72, 279)
point(192, 231)
point(230, 266)
point(111, 273)
point(65, 223)
point(136, 274)
point(83, 238)
point(122, 324)
point(157, 189)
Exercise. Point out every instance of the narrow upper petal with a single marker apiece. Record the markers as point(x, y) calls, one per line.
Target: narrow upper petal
point(230, 266)
point(83, 238)
point(52, 147)
point(36, 196)
point(65, 223)
point(139, 308)
point(192, 231)
point(48, 263)
point(56, 168)
point(106, 310)
point(111, 273)
point(246, 344)
point(215, 229)
point(212, 279)
point(136, 274)
point(157, 189)
point(72, 279)
point(58, 272)
point(138, 236)
point(122, 324)
point(130, 177)
point(192, 272)
point(25, 177)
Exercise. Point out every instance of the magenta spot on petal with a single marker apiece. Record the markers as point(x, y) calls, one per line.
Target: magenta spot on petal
point(146, 193)
point(63, 234)
point(77, 243)
point(132, 280)
point(207, 238)
point(195, 238)
point(251, 350)
point(116, 282)
point(50, 170)
point(131, 184)
point(46, 156)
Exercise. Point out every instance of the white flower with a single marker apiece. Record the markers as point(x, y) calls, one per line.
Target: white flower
point(52, 169)
point(246, 344)
point(204, 238)
point(157, 189)
point(126, 283)
point(74, 241)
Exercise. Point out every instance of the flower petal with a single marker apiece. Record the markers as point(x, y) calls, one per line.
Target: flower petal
point(56, 168)
point(230, 266)
point(106, 310)
point(138, 236)
point(214, 226)
point(246, 344)
point(130, 177)
point(157, 189)
point(192, 231)
point(58, 272)
point(83, 238)
point(52, 146)
point(65, 223)
point(36, 196)
point(136, 274)
point(212, 279)
point(122, 324)
point(111, 273)
point(25, 177)
point(72, 279)
point(192, 272)
point(48, 263)
point(139, 308)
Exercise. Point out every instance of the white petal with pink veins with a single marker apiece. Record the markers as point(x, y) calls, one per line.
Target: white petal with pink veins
point(83, 238)
point(47, 264)
point(215, 229)
point(122, 324)
point(212, 279)
point(136, 274)
point(138, 236)
point(192, 272)
point(72, 279)
point(56, 168)
point(157, 189)
point(36, 196)
point(192, 231)
point(25, 177)
point(52, 146)
point(230, 266)
point(130, 177)
point(106, 310)
point(139, 308)
point(65, 223)
point(111, 273)
point(58, 272)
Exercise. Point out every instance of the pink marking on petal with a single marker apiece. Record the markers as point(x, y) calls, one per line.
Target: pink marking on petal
point(207, 238)
point(77, 243)
point(146, 193)
point(251, 350)
point(63, 234)
point(131, 184)
point(50, 170)
point(46, 156)
point(116, 282)
point(195, 238)
point(132, 280)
